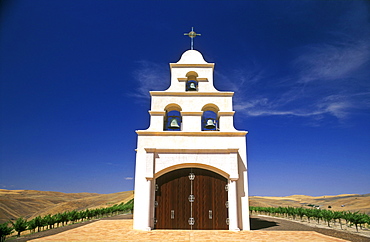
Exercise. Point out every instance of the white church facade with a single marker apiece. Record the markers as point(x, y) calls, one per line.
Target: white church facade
point(191, 163)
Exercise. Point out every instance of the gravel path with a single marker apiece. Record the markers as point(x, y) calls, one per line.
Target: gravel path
point(276, 224)
point(65, 228)
point(257, 223)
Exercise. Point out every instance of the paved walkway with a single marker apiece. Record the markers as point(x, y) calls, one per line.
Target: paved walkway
point(121, 230)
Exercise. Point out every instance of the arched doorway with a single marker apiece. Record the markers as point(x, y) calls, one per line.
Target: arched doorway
point(191, 198)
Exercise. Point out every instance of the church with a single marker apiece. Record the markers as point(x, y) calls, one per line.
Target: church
point(191, 163)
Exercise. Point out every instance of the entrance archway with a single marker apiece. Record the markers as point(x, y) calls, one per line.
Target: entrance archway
point(191, 198)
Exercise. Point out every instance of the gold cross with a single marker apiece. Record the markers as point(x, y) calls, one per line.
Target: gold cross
point(192, 35)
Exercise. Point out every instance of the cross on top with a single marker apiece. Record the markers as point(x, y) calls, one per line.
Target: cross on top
point(192, 35)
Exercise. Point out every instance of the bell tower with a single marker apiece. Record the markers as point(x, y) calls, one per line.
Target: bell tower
point(191, 163)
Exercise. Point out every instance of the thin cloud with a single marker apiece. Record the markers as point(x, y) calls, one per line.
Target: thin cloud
point(246, 77)
point(327, 79)
point(332, 61)
point(330, 78)
point(310, 104)
point(336, 105)
point(150, 76)
point(129, 178)
point(264, 107)
point(3, 186)
point(111, 164)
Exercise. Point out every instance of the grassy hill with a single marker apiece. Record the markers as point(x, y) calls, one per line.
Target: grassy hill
point(344, 202)
point(30, 203)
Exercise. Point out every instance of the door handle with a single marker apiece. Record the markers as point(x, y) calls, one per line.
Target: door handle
point(210, 214)
point(172, 214)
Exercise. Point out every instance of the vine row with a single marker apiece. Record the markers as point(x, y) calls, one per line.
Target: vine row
point(350, 218)
point(61, 219)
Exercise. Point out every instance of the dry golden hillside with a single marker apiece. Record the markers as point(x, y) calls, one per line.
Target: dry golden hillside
point(344, 202)
point(30, 203)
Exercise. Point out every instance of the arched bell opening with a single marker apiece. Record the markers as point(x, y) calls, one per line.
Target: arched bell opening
point(192, 82)
point(191, 85)
point(209, 118)
point(173, 119)
point(209, 121)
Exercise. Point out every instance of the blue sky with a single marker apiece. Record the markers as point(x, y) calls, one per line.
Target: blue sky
point(75, 77)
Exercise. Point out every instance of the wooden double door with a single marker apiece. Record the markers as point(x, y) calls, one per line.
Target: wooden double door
point(191, 198)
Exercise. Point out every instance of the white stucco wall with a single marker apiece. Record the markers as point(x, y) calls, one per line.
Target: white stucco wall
point(223, 151)
point(191, 101)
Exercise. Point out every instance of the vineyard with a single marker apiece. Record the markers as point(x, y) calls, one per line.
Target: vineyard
point(61, 219)
point(345, 218)
point(37, 224)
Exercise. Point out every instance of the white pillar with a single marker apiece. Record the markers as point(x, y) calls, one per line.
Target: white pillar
point(142, 209)
point(233, 206)
point(148, 207)
point(245, 204)
point(143, 203)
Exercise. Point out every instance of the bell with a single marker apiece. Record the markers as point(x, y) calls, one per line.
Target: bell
point(174, 124)
point(210, 124)
point(192, 86)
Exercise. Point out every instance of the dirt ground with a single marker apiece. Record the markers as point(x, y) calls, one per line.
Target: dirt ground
point(263, 229)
